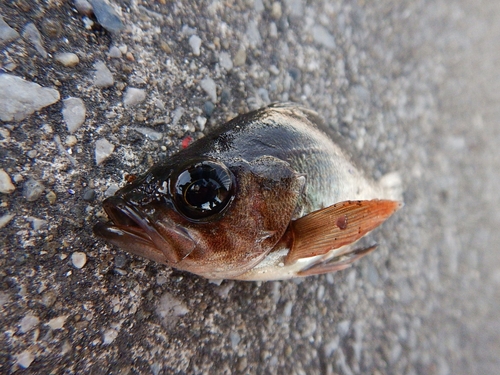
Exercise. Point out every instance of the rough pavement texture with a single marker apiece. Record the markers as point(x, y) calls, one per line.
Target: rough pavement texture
point(412, 85)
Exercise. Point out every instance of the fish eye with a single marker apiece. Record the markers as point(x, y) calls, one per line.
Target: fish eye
point(202, 190)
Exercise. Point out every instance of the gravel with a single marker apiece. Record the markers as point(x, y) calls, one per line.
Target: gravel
point(411, 87)
point(73, 113)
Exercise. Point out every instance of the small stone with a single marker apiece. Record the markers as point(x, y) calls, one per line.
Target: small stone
point(51, 197)
point(150, 133)
point(195, 43)
point(28, 322)
point(36, 223)
point(58, 323)
point(107, 16)
point(165, 47)
point(109, 336)
point(103, 150)
point(70, 141)
point(323, 37)
point(6, 185)
point(114, 52)
point(129, 56)
point(20, 98)
point(73, 113)
point(176, 115)
point(208, 108)
point(253, 33)
point(84, 7)
point(32, 190)
point(5, 219)
point(120, 261)
point(201, 121)
point(112, 189)
point(51, 28)
point(78, 259)
point(133, 96)
point(209, 86)
point(7, 33)
point(24, 359)
point(68, 59)
point(276, 10)
point(103, 76)
point(31, 34)
point(32, 154)
point(240, 57)
point(89, 195)
point(225, 61)
point(225, 96)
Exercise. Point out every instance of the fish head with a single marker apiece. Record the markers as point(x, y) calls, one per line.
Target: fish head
point(214, 218)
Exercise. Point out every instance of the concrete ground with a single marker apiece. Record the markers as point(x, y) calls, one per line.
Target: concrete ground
point(412, 86)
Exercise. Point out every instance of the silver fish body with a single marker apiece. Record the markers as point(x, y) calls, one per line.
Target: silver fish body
point(266, 196)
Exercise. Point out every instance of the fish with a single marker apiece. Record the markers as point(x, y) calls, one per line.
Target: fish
point(269, 195)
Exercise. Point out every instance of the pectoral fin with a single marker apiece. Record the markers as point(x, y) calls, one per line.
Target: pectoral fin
point(333, 227)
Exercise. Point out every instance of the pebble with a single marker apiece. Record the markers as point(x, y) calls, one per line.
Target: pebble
point(225, 61)
point(78, 259)
point(5, 219)
point(133, 96)
point(68, 59)
point(209, 86)
point(32, 190)
point(201, 121)
point(7, 33)
point(58, 323)
point(112, 189)
point(73, 113)
point(323, 37)
point(208, 108)
point(36, 223)
point(240, 57)
point(31, 34)
point(6, 185)
point(24, 359)
point(120, 261)
point(176, 115)
point(28, 322)
point(70, 141)
point(51, 28)
point(106, 16)
point(195, 43)
point(114, 52)
point(253, 33)
point(89, 195)
point(84, 7)
point(51, 197)
point(109, 336)
point(225, 96)
point(20, 98)
point(103, 150)
point(150, 133)
point(103, 76)
point(276, 10)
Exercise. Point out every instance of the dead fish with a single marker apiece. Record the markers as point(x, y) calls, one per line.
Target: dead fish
point(266, 196)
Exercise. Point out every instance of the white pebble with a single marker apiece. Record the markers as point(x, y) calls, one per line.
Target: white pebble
point(150, 133)
point(322, 36)
point(32, 190)
point(103, 150)
point(28, 322)
point(103, 76)
point(7, 33)
point(78, 259)
point(133, 96)
point(209, 86)
point(114, 52)
point(6, 185)
point(225, 61)
point(25, 359)
point(58, 323)
point(20, 98)
point(70, 141)
point(5, 219)
point(67, 59)
point(201, 122)
point(73, 113)
point(195, 43)
point(109, 336)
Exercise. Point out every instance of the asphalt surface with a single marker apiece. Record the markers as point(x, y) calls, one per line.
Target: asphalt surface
point(412, 86)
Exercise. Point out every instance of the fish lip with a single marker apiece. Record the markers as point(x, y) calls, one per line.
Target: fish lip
point(129, 226)
point(127, 218)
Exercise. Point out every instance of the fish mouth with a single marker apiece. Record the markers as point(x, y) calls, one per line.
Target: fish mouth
point(130, 229)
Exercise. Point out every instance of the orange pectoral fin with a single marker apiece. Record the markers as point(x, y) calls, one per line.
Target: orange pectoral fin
point(332, 227)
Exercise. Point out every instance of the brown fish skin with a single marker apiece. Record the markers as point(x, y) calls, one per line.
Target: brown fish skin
point(270, 167)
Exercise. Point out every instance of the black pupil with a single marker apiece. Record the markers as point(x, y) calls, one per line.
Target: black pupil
point(203, 190)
